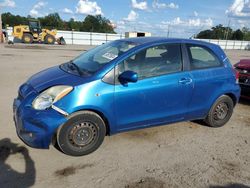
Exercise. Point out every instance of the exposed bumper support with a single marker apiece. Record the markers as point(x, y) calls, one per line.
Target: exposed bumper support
point(59, 110)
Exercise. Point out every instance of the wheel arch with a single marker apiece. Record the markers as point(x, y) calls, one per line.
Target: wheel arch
point(107, 125)
point(104, 118)
point(229, 94)
point(233, 97)
point(98, 112)
point(223, 98)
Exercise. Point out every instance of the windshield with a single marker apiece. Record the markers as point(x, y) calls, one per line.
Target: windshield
point(96, 58)
point(34, 24)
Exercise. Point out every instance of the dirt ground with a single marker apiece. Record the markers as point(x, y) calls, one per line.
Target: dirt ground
point(178, 155)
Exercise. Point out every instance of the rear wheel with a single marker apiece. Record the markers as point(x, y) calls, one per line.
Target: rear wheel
point(27, 38)
point(221, 112)
point(49, 39)
point(82, 134)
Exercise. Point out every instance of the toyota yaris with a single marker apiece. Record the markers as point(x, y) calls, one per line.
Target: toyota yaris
point(125, 85)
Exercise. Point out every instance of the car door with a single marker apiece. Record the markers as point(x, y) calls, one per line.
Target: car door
point(209, 77)
point(161, 93)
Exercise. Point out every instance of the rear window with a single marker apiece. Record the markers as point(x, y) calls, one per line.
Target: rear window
point(202, 57)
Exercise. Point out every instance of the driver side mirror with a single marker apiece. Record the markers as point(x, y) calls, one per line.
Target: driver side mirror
point(128, 76)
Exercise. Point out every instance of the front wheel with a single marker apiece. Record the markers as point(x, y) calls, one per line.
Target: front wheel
point(49, 39)
point(220, 112)
point(27, 38)
point(82, 134)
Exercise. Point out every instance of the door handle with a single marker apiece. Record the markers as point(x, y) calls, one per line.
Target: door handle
point(185, 81)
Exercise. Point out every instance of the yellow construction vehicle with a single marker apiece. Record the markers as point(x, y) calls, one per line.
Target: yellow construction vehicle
point(34, 33)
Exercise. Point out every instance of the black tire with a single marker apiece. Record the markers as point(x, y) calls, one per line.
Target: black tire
point(27, 38)
point(82, 134)
point(220, 112)
point(49, 39)
point(62, 41)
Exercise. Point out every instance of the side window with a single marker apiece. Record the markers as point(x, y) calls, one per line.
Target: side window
point(154, 61)
point(201, 57)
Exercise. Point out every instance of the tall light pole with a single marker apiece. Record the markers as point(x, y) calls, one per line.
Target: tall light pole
point(1, 29)
point(168, 29)
point(227, 31)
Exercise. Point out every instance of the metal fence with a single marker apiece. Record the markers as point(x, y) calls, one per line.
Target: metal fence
point(89, 38)
point(230, 44)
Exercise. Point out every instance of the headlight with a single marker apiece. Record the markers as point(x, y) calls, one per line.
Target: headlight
point(50, 96)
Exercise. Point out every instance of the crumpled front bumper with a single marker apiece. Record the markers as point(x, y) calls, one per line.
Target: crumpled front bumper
point(35, 128)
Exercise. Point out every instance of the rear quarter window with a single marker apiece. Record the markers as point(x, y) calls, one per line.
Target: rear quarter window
point(202, 57)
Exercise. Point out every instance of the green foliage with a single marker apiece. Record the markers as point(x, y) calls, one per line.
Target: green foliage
point(221, 32)
point(74, 25)
point(98, 24)
point(10, 20)
point(53, 21)
point(238, 35)
point(206, 34)
point(246, 33)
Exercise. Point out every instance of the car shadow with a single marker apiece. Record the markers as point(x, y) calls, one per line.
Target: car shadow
point(10, 177)
point(200, 122)
point(244, 101)
point(235, 185)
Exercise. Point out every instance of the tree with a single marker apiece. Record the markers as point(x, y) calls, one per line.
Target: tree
point(206, 34)
point(90, 24)
point(238, 35)
point(246, 33)
point(52, 21)
point(97, 24)
point(12, 20)
point(221, 32)
point(74, 25)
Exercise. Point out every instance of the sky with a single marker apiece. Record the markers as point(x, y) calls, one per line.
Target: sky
point(173, 18)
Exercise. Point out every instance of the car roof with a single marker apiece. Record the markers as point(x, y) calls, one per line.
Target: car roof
point(150, 40)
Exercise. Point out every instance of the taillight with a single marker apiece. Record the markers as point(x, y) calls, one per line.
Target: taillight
point(237, 75)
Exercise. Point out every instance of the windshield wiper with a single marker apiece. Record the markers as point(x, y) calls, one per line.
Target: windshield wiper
point(73, 66)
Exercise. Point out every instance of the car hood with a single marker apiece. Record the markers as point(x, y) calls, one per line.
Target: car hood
point(244, 64)
point(54, 76)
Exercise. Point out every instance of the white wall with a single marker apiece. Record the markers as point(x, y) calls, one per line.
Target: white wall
point(87, 38)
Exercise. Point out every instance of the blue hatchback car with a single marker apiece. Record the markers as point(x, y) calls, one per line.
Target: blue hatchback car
point(125, 85)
